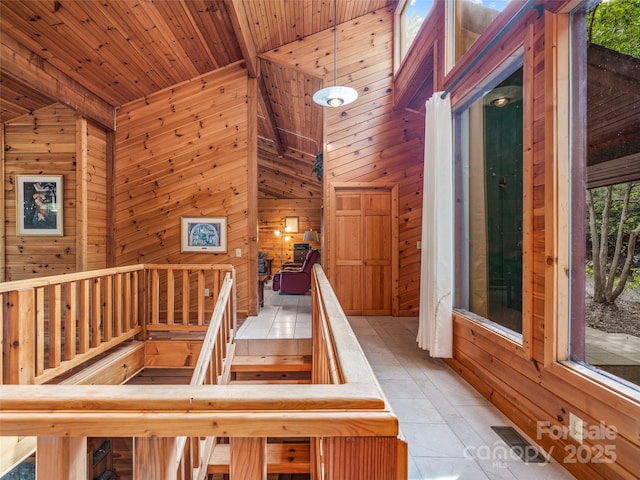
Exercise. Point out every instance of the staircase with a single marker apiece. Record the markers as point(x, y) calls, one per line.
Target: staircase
point(264, 369)
point(276, 362)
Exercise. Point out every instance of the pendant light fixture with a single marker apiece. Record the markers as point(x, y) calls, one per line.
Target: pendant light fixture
point(336, 95)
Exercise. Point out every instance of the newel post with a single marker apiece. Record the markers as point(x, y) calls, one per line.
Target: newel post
point(361, 458)
point(155, 457)
point(18, 318)
point(248, 458)
point(61, 458)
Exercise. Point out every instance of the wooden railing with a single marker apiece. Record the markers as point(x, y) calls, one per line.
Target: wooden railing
point(212, 368)
point(354, 433)
point(52, 325)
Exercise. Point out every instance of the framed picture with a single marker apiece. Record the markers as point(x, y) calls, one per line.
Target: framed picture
point(204, 234)
point(39, 204)
point(291, 224)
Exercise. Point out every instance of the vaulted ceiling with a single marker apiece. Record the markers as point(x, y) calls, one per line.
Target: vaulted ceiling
point(116, 51)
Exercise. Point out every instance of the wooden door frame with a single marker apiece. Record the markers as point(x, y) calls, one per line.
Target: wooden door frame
point(329, 249)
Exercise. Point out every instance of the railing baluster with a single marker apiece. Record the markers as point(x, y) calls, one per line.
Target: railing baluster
point(155, 297)
point(200, 294)
point(55, 326)
point(108, 309)
point(85, 315)
point(128, 298)
point(39, 325)
point(185, 297)
point(96, 313)
point(170, 298)
point(70, 323)
point(135, 300)
point(118, 305)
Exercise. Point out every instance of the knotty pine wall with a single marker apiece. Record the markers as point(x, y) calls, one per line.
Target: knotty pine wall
point(271, 213)
point(367, 142)
point(189, 151)
point(56, 141)
point(95, 194)
point(534, 390)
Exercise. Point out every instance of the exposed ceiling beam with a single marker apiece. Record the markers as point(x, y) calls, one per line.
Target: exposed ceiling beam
point(269, 117)
point(22, 65)
point(243, 34)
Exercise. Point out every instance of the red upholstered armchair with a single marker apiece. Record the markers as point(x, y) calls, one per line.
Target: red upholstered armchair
point(296, 281)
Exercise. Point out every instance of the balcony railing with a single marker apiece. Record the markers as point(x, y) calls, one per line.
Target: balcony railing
point(353, 432)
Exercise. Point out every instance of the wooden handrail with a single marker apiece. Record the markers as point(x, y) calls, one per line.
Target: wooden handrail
point(65, 278)
point(208, 368)
point(214, 360)
point(52, 325)
point(346, 403)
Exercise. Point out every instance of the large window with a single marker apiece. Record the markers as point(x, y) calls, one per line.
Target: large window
point(489, 194)
point(605, 196)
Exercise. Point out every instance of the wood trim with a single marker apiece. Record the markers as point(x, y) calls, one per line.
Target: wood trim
point(420, 62)
point(557, 184)
point(510, 48)
point(111, 199)
point(242, 30)
point(528, 194)
point(19, 63)
point(252, 198)
point(3, 230)
point(82, 194)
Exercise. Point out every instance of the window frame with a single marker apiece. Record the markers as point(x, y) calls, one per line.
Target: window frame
point(398, 57)
point(521, 55)
point(568, 195)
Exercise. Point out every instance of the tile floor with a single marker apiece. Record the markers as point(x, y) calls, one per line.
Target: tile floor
point(446, 422)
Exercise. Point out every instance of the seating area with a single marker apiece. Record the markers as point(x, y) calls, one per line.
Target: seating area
point(296, 281)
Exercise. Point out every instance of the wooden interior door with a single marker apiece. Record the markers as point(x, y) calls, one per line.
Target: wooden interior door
point(362, 267)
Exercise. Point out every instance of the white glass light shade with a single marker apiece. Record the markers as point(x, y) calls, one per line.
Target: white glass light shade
point(335, 96)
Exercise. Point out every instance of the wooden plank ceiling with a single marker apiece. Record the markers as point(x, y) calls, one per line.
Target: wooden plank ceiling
point(117, 51)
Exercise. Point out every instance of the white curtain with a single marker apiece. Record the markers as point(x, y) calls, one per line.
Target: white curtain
point(435, 332)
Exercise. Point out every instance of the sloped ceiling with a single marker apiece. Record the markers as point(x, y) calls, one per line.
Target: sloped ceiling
point(96, 55)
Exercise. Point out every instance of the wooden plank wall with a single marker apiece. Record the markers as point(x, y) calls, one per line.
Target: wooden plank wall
point(184, 151)
point(537, 393)
point(98, 184)
point(41, 143)
point(367, 141)
point(271, 213)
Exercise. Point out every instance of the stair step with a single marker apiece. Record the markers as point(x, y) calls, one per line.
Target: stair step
point(281, 458)
point(162, 376)
point(262, 381)
point(271, 363)
point(273, 346)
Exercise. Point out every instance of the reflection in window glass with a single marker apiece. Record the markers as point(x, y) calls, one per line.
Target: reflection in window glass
point(490, 198)
point(472, 17)
point(605, 330)
point(413, 14)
